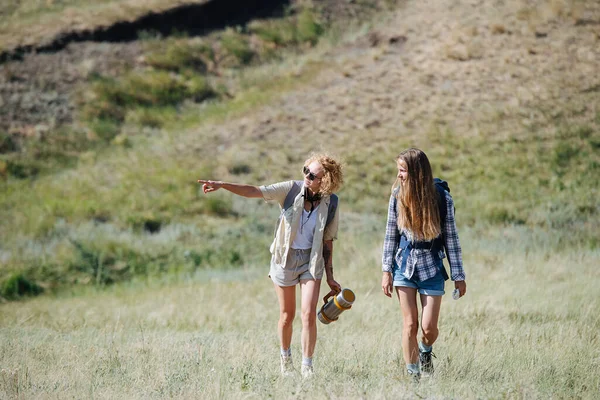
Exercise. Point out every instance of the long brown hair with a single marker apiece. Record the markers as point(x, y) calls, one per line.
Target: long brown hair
point(417, 197)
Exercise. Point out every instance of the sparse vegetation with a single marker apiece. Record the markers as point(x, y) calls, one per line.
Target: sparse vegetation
point(308, 29)
point(237, 45)
point(278, 32)
point(179, 55)
point(111, 98)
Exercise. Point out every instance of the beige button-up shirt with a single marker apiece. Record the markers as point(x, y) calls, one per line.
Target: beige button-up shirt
point(286, 231)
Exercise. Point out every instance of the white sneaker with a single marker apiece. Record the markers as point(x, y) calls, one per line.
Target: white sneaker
point(307, 371)
point(287, 367)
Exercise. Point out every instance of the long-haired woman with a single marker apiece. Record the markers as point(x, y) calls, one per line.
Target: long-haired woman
point(420, 232)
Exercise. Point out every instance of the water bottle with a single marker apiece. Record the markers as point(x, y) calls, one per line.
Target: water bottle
point(332, 309)
point(456, 294)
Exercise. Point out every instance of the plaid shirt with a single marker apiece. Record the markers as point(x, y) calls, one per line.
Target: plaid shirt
point(421, 263)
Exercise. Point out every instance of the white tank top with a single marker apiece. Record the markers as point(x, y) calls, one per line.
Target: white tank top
point(306, 230)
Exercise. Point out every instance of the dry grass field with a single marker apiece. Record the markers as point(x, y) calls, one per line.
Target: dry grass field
point(528, 328)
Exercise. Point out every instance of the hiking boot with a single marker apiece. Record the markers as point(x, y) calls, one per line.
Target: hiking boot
point(307, 371)
point(287, 367)
point(415, 377)
point(426, 362)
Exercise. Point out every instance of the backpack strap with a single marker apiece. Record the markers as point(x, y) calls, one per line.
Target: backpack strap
point(333, 203)
point(291, 196)
point(442, 187)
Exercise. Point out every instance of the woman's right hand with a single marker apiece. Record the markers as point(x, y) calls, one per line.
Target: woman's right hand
point(210, 186)
point(386, 284)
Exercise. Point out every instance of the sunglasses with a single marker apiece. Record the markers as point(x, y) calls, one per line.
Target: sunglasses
point(310, 175)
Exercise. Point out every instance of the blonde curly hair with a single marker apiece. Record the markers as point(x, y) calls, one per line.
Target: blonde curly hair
point(333, 178)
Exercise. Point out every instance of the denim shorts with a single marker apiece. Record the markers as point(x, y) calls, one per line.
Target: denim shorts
point(430, 287)
point(297, 268)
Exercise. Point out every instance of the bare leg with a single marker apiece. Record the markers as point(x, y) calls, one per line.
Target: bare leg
point(310, 297)
point(287, 310)
point(429, 319)
point(410, 323)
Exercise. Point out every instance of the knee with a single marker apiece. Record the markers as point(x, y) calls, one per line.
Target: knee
point(286, 318)
point(309, 318)
point(430, 331)
point(410, 328)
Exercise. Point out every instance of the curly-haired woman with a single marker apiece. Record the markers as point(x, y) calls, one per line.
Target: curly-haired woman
point(303, 246)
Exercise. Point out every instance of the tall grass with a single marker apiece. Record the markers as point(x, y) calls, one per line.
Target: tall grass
point(526, 329)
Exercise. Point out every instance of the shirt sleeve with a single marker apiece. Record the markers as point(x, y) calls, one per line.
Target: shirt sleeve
point(331, 230)
point(392, 236)
point(276, 192)
point(452, 243)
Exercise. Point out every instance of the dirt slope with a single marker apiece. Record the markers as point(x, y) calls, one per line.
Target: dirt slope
point(464, 64)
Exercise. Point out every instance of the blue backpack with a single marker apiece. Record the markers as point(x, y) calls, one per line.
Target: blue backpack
point(442, 187)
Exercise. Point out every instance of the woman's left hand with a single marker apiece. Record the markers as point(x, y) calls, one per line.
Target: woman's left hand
point(461, 286)
point(335, 287)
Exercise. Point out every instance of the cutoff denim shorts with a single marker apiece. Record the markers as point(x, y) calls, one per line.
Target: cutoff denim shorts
point(296, 269)
point(429, 287)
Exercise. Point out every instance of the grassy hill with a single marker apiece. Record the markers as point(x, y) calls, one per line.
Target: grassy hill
point(507, 116)
point(151, 289)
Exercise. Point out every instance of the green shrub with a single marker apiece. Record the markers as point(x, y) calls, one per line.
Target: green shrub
point(105, 263)
point(146, 222)
point(8, 144)
point(563, 153)
point(198, 89)
point(17, 285)
point(112, 98)
point(222, 257)
point(584, 132)
point(152, 88)
point(238, 46)
point(104, 129)
point(278, 32)
point(103, 101)
point(502, 215)
point(240, 168)
point(89, 261)
point(180, 55)
point(197, 258)
point(308, 28)
point(22, 168)
point(149, 117)
point(216, 206)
